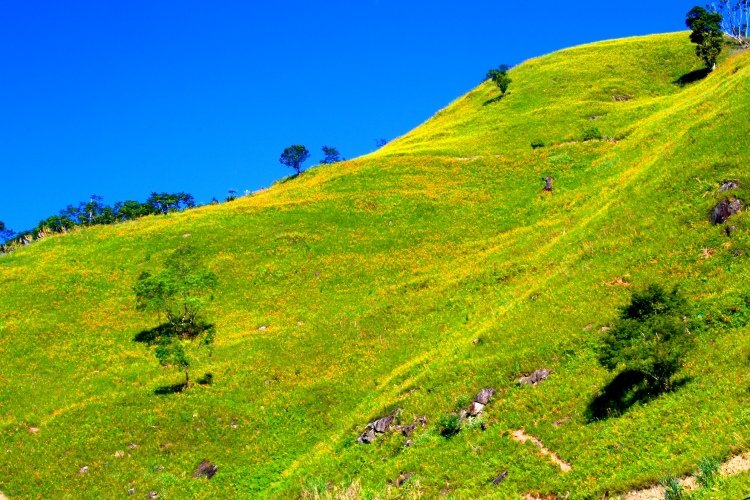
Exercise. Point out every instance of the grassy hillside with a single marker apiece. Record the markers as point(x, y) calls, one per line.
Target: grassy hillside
point(373, 278)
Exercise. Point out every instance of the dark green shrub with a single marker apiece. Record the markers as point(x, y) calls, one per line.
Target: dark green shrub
point(449, 425)
point(650, 336)
point(591, 134)
point(708, 472)
point(500, 77)
point(538, 143)
point(673, 489)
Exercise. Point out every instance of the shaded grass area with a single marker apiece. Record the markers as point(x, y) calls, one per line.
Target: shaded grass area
point(374, 277)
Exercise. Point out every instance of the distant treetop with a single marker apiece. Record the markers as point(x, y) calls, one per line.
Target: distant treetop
point(500, 77)
point(330, 155)
point(294, 156)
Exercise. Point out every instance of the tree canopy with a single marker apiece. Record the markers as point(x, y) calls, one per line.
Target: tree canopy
point(500, 77)
point(706, 34)
point(650, 336)
point(294, 156)
point(330, 155)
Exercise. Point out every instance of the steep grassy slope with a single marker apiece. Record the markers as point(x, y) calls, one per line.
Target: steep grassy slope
point(374, 277)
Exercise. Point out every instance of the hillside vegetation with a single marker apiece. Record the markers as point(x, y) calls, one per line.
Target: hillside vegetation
point(409, 279)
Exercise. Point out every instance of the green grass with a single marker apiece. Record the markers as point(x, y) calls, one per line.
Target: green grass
point(373, 278)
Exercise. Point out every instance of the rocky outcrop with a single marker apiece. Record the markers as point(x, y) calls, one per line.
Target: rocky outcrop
point(535, 378)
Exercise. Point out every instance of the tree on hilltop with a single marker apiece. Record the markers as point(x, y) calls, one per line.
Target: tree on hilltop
point(500, 77)
point(331, 155)
point(294, 156)
point(706, 34)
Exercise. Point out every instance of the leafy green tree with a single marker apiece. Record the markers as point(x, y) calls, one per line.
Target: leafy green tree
point(294, 156)
point(706, 34)
point(177, 295)
point(164, 203)
point(331, 155)
point(650, 336)
point(500, 77)
point(131, 209)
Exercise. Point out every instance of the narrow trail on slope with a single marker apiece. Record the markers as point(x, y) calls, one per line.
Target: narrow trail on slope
point(521, 437)
point(738, 464)
point(735, 465)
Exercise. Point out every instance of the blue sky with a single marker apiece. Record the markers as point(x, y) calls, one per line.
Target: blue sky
point(121, 98)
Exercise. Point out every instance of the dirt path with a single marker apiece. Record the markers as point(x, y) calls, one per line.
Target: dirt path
point(735, 465)
point(521, 437)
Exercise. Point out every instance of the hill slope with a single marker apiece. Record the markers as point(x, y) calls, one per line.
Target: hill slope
point(373, 279)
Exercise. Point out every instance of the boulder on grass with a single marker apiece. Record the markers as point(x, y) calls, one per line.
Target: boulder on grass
point(725, 209)
point(538, 376)
point(485, 395)
point(205, 469)
point(475, 409)
point(367, 437)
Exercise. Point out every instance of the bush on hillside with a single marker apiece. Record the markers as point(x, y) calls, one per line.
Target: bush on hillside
point(537, 143)
point(650, 336)
point(591, 134)
point(449, 425)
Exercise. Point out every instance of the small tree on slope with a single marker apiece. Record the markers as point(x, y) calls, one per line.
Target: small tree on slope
point(500, 77)
point(178, 295)
point(294, 156)
point(650, 336)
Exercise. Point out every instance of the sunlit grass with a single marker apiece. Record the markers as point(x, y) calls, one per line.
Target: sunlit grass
point(374, 277)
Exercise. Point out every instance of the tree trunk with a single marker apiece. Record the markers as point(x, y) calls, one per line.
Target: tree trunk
point(187, 378)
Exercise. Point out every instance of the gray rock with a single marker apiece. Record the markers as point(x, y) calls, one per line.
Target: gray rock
point(536, 377)
point(205, 469)
point(409, 429)
point(367, 437)
point(725, 209)
point(730, 230)
point(729, 185)
point(383, 424)
point(475, 409)
point(499, 479)
point(404, 477)
point(485, 395)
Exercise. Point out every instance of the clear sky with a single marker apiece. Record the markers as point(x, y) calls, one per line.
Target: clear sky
point(121, 98)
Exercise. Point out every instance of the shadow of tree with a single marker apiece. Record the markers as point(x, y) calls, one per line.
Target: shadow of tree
point(692, 77)
point(169, 389)
point(288, 178)
point(150, 336)
point(625, 390)
point(494, 99)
